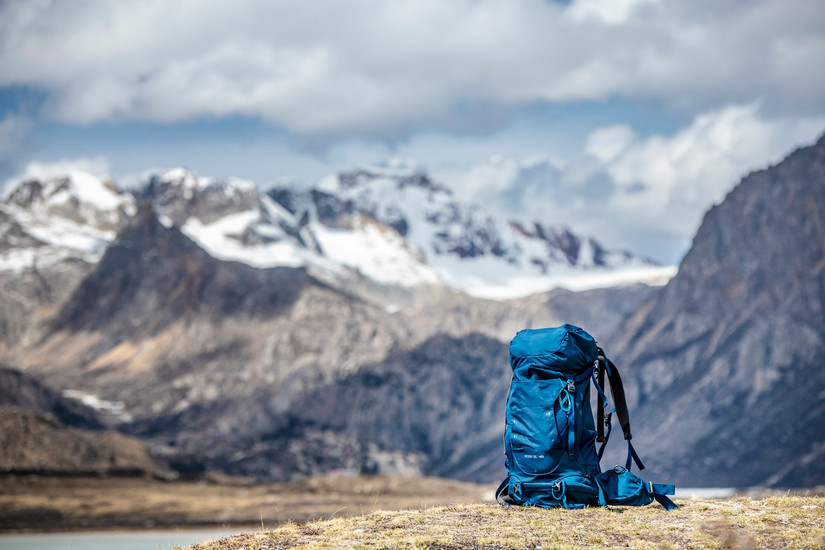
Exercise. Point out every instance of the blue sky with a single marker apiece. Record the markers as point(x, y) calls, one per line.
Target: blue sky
point(625, 119)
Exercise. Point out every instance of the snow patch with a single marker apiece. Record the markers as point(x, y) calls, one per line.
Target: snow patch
point(218, 240)
point(506, 288)
point(91, 190)
point(377, 252)
point(116, 408)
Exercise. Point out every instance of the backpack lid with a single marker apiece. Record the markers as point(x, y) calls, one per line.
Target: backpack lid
point(567, 348)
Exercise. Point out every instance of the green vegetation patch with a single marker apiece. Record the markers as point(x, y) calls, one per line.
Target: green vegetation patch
point(779, 522)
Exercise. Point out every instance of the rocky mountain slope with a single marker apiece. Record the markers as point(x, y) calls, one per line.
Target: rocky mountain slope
point(727, 362)
point(44, 433)
point(213, 360)
point(209, 313)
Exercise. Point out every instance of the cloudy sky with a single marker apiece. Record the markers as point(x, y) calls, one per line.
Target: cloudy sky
point(625, 119)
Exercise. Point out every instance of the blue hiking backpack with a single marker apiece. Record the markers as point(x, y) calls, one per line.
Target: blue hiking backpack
point(550, 436)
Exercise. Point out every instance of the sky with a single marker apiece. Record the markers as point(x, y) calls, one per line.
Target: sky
point(623, 119)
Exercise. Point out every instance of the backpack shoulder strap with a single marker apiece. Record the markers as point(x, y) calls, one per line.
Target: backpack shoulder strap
point(600, 364)
point(619, 399)
point(620, 405)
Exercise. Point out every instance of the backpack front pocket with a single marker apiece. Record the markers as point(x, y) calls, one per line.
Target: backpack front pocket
point(535, 440)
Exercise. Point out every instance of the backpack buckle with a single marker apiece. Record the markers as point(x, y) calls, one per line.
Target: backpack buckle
point(571, 386)
point(558, 487)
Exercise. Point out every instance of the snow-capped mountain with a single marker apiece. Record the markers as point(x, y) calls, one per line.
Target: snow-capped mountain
point(394, 226)
point(460, 242)
point(75, 215)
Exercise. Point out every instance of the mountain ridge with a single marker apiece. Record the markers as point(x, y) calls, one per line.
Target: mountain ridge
point(393, 227)
point(738, 335)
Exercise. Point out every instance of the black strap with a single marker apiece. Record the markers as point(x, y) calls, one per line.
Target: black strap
point(600, 408)
point(619, 400)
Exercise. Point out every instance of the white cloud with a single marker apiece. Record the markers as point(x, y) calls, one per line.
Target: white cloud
point(668, 182)
point(386, 68)
point(606, 11)
point(608, 143)
point(15, 130)
point(648, 194)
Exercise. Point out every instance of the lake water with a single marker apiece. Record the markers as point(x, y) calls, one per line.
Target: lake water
point(130, 540)
point(704, 492)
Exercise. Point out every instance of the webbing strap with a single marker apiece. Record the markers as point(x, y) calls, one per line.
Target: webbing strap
point(504, 485)
point(631, 455)
point(567, 404)
point(606, 438)
point(666, 502)
point(571, 431)
point(662, 489)
point(658, 492)
point(602, 499)
point(601, 392)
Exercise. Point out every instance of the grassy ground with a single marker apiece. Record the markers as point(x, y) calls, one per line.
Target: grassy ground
point(774, 522)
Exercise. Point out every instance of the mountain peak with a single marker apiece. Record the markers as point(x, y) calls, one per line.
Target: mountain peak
point(185, 179)
point(76, 186)
point(179, 177)
point(46, 219)
point(179, 194)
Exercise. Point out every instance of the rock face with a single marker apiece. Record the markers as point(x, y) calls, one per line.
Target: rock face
point(22, 391)
point(44, 433)
point(441, 401)
point(727, 361)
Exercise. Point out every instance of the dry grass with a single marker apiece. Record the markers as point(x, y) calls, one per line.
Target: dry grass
point(775, 522)
point(340, 512)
